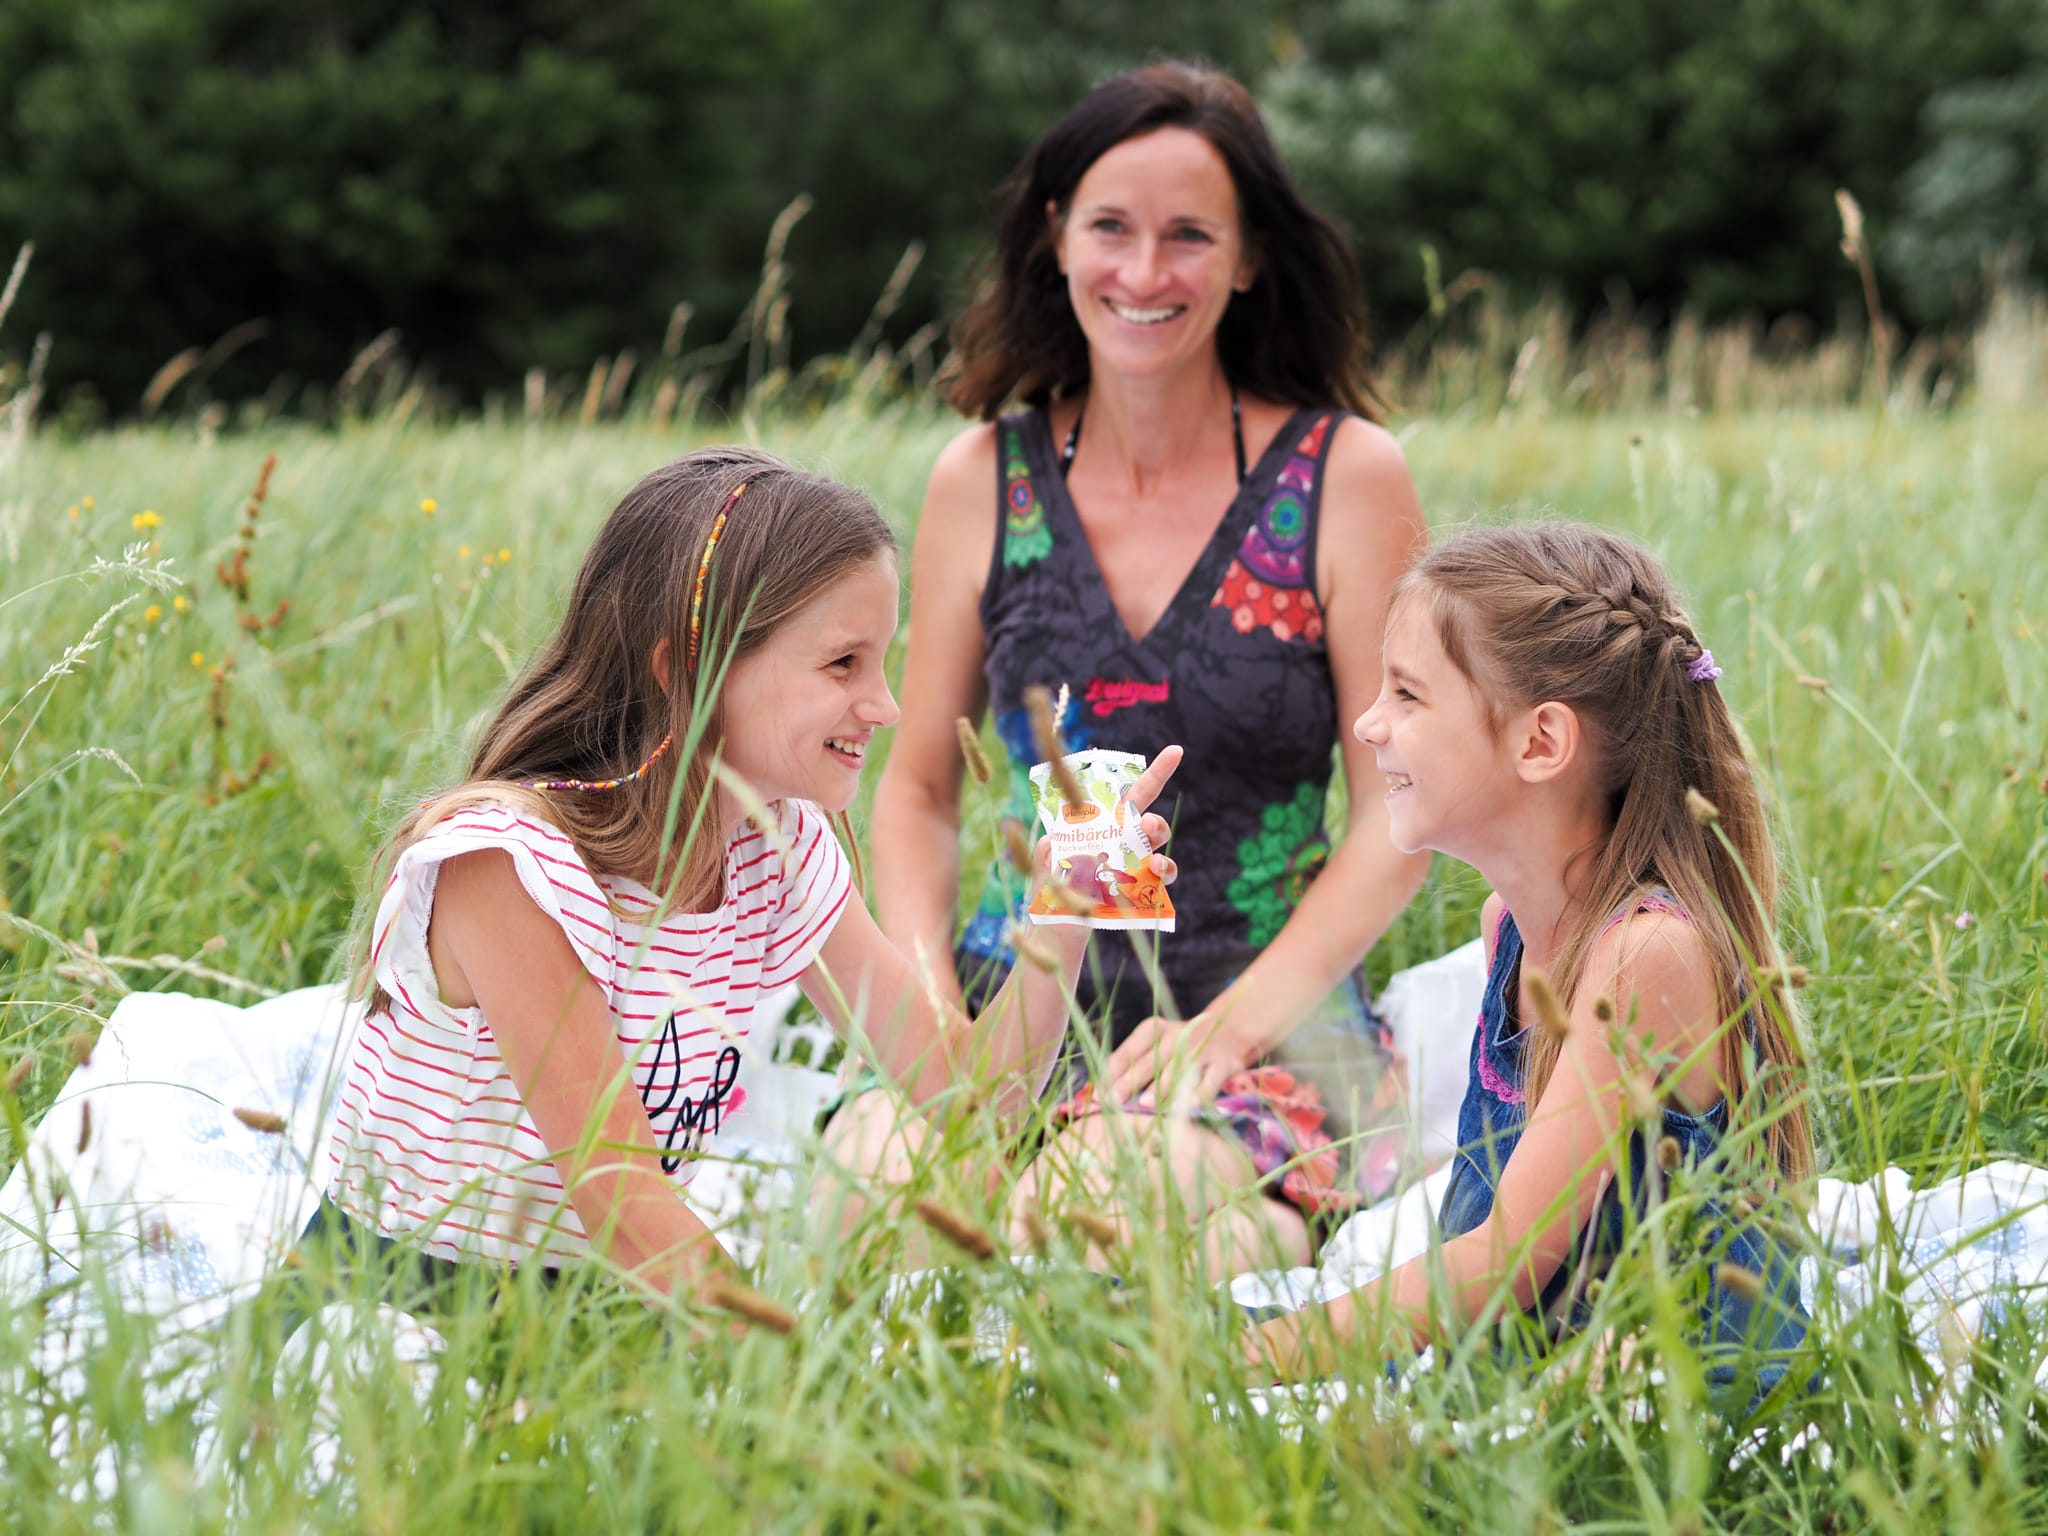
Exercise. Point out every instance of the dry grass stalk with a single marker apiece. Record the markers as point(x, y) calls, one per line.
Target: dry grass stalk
point(381, 347)
point(678, 322)
point(956, 1229)
point(536, 392)
point(970, 749)
point(593, 392)
point(22, 258)
point(1045, 738)
point(168, 378)
point(1017, 848)
point(622, 375)
point(731, 1294)
point(666, 393)
point(1857, 249)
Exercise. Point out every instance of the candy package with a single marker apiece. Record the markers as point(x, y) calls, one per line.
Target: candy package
point(1099, 850)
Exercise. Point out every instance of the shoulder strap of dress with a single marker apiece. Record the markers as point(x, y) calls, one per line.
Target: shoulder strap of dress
point(1311, 453)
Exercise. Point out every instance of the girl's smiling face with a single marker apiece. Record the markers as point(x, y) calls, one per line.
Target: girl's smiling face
point(1447, 767)
point(800, 710)
point(1152, 250)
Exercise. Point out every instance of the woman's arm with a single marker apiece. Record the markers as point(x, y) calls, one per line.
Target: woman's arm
point(916, 829)
point(1558, 1171)
point(921, 1039)
point(493, 948)
point(1370, 530)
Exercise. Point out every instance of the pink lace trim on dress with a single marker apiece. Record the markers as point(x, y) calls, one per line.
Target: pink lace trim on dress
point(1491, 1080)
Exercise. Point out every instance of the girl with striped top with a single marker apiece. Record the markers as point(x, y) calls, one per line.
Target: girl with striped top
point(1548, 714)
point(569, 949)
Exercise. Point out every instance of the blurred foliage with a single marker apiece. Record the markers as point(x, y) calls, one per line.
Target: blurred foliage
point(519, 183)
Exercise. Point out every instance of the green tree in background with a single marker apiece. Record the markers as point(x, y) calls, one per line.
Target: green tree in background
point(517, 183)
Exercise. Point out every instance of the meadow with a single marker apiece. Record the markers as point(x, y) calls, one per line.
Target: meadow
point(213, 700)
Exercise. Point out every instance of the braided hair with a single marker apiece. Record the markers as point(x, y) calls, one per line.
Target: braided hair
point(1564, 612)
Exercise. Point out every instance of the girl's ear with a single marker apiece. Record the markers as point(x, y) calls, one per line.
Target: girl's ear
point(1551, 738)
point(660, 661)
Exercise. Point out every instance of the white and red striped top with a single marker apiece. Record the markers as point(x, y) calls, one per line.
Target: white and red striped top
point(430, 1135)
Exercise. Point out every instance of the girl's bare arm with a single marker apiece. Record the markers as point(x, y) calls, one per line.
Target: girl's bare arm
point(493, 948)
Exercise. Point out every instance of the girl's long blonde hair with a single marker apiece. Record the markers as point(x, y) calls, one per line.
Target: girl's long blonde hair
point(1569, 613)
point(590, 705)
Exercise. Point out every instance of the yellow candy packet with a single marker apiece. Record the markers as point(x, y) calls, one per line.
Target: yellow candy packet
point(1099, 849)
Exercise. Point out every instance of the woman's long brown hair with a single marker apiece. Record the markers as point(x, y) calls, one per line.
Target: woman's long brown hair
point(590, 705)
point(1573, 614)
point(1297, 336)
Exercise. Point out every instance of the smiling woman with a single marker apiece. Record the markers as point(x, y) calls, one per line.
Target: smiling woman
point(1191, 526)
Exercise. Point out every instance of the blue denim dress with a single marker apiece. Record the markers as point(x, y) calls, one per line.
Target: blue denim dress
point(1744, 1341)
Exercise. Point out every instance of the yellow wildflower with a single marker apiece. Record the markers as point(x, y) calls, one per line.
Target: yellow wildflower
point(430, 506)
point(72, 513)
point(86, 503)
point(180, 603)
point(199, 658)
point(147, 518)
point(462, 551)
point(504, 557)
point(152, 613)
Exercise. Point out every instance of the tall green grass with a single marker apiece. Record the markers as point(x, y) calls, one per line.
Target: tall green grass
point(193, 802)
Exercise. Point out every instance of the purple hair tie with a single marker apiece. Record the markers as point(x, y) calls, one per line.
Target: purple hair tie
point(1701, 668)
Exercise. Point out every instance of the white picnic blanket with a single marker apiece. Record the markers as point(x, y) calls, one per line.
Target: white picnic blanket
point(143, 1170)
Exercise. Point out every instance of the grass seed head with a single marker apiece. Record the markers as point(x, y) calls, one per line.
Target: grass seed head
point(731, 1294)
point(956, 1229)
point(1746, 1283)
point(84, 1126)
point(1668, 1154)
point(1022, 941)
point(1016, 847)
point(1603, 1009)
point(1642, 1099)
point(1817, 684)
point(1094, 1226)
point(1036, 1232)
point(970, 749)
point(18, 1073)
point(261, 1120)
point(1700, 808)
point(1550, 1015)
point(1067, 899)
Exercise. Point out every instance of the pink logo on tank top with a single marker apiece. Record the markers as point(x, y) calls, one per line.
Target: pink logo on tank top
point(1108, 695)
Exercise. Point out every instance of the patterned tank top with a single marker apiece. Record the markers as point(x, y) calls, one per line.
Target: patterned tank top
point(1236, 671)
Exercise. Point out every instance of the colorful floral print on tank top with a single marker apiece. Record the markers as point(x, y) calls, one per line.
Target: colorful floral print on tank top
point(1236, 670)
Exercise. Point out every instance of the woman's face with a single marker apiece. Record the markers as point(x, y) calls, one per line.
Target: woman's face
point(1152, 251)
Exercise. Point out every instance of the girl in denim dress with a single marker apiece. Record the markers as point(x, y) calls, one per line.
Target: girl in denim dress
point(1549, 715)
